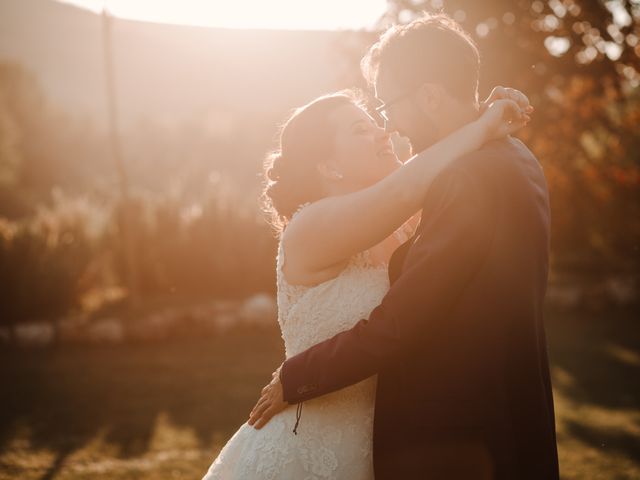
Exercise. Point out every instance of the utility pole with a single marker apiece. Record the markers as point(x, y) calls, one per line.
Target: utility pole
point(126, 223)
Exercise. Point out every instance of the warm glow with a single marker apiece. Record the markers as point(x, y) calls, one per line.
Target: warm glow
point(273, 14)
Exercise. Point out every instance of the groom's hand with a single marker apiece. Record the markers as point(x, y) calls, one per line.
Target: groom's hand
point(270, 403)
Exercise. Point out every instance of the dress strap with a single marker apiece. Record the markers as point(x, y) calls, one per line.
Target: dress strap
point(299, 209)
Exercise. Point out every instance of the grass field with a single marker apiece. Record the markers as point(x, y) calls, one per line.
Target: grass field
point(163, 410)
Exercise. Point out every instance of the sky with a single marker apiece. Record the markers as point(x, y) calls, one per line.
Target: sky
point(272, 14)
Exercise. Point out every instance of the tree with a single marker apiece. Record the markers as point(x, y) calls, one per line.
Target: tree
point(578, 60)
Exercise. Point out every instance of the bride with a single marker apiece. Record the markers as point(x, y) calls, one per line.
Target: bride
point(342, 203)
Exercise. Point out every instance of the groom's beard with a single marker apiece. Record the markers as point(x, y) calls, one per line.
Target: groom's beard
point(427, 134)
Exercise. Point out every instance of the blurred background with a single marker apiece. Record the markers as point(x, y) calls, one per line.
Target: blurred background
point(137, 282)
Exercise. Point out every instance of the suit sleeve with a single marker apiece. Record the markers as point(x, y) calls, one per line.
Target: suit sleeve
point(453, 240)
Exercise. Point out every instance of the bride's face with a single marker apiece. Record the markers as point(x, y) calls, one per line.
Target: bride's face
point(363, 152)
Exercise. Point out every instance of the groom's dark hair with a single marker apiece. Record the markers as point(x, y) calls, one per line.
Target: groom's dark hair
point(433, 48)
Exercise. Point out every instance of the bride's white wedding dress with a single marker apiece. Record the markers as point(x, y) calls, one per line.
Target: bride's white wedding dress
point(334, 436)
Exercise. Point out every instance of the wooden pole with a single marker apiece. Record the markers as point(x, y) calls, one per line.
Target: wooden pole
point(116, 153)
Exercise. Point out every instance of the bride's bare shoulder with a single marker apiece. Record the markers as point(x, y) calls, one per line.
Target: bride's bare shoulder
point(295, 267)
point(304, 222)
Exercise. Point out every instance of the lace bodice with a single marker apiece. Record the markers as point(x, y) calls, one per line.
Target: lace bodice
point(335, 436)
point(309, 315)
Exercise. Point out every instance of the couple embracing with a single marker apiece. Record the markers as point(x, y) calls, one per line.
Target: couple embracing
point(410, 295)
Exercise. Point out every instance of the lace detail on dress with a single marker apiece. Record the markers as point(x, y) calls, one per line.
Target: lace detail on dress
point(335, 437)
point(287, 293)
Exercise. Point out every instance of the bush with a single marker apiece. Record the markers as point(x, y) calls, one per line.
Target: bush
point(42, 260)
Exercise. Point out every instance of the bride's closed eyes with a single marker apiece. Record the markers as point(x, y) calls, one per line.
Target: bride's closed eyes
point(362, 127)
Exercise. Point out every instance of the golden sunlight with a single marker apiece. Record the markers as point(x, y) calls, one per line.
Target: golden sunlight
point(275, 14)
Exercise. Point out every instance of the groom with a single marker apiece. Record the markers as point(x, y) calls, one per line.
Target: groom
point(458, 342)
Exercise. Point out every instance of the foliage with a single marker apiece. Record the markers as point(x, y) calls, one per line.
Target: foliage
point(197, 230)
point(42, 260)
point(578, 61)
point(50, 261)
point(41, 147)
point(217, 246)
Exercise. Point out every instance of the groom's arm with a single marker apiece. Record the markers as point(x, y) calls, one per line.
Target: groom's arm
point(456, 232)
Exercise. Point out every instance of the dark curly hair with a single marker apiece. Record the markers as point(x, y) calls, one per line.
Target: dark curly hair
point(432, 48)
point(306, 138)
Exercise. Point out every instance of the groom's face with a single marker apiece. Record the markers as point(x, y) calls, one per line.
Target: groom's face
point(406, 112)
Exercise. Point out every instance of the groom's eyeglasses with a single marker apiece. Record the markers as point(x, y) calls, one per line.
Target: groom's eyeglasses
point(382, 110)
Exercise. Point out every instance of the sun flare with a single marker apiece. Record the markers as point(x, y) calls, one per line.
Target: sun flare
point(275, 14)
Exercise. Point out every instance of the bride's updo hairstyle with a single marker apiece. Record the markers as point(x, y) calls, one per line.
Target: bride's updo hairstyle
point(291, 177)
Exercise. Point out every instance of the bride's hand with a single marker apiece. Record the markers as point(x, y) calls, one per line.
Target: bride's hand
point(502, 118)
point(506, 93)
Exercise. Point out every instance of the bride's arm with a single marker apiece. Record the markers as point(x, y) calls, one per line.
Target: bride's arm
point(332, 229)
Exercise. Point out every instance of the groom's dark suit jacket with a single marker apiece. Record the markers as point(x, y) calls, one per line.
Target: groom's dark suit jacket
point(458, 342)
